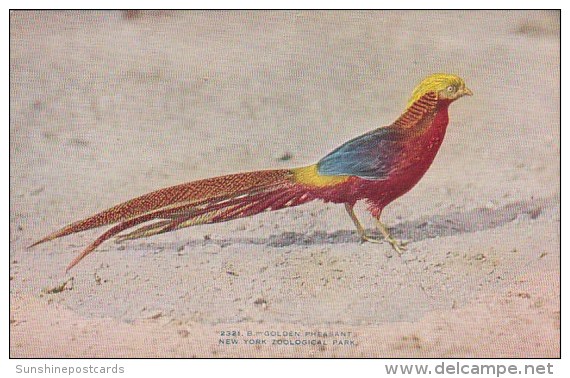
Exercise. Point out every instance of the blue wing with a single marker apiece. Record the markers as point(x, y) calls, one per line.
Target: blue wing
point(369, 156)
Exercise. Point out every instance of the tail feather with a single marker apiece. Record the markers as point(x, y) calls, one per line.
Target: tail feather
point(142, 232)
point(206, 201)
point(209, 214)
point(214, 212)
point(261, 204)
point(195, 192)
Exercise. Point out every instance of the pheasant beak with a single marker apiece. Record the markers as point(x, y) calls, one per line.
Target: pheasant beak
point(466, 92)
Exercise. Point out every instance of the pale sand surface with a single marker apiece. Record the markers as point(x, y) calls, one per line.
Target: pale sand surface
point(105, 108)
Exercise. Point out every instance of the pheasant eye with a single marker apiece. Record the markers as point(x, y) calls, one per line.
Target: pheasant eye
point(451, 88)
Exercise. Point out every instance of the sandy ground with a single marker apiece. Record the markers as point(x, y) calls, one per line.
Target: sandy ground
point(106, 107)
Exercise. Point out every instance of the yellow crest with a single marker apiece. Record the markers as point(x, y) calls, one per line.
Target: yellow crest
point(439, 82)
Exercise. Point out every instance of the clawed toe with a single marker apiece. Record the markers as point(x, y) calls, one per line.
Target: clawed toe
point(364, 239)
point(399, 247)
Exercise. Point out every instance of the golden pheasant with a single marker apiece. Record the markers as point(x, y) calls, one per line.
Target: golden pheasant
point(376, 167)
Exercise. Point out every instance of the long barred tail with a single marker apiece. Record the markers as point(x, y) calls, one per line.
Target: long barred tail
point(211, 200)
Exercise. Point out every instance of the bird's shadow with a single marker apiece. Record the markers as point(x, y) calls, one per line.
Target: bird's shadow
point(449, 224)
